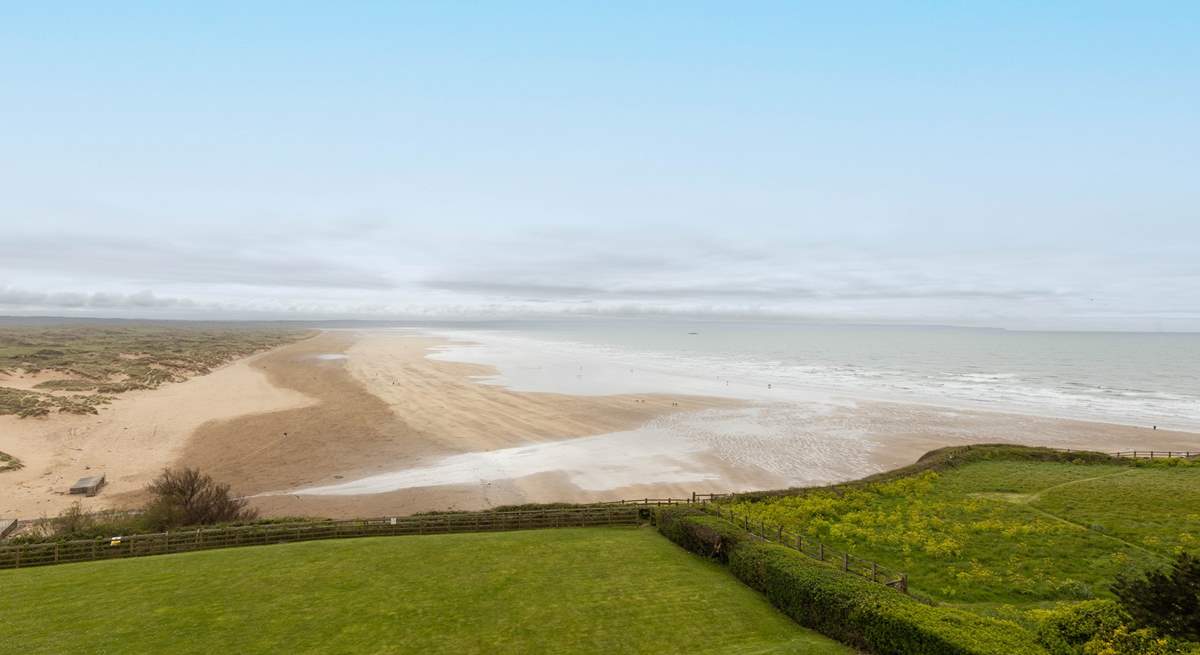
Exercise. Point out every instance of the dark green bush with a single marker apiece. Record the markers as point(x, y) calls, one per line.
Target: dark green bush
point(1166, 600)
point(843, 606)
point(699, 532)
point(1065, 631)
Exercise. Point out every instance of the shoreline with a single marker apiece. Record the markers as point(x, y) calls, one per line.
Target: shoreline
point(501, 349)
point(346, 405)
point(837, 443)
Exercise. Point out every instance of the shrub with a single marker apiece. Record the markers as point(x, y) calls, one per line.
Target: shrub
point(74, 523)
point(188, 497)
point(1065, 631)
point(1167, 600)
point(700, 533)
point(9, 463)
point(1146, 641)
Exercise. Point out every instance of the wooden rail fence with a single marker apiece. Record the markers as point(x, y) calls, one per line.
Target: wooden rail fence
point(1139, 454)
point(845, 561)
point(23, 555)
point(1156, 454)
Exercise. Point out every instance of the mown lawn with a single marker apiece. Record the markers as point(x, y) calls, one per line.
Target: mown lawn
point(1010, 532)
point(583, 590)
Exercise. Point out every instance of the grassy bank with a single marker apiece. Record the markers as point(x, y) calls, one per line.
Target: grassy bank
point(589, 590)
point(1021, 531)
point(844, 606)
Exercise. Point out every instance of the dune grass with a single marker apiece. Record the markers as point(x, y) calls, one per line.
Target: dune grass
point(1007, 532)
point(88, 364)
point(9, 463)
point(581, 590)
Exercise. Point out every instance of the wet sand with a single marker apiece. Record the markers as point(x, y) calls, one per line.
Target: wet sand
point(306, 428)
point(483, 445)
point(385, 407)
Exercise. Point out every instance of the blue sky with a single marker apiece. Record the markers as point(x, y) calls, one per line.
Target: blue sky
point(1020, 165)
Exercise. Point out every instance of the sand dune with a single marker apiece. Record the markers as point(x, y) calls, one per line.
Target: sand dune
point(131, 440)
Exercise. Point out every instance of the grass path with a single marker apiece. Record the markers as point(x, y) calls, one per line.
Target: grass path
point(1037, 495)
point(1014, 532)
point(580, 590)
point(1029, 499)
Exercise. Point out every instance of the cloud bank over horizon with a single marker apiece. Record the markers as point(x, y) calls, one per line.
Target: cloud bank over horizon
point(388, 273)
point(976, 166)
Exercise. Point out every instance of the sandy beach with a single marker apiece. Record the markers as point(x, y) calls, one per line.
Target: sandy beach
point(356, 423)
point(130, 441)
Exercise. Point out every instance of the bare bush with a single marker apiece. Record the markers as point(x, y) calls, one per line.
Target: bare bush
point(185, 496)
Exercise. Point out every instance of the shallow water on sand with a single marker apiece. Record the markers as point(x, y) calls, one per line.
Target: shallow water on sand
point(805, 421)
point(1139, 379)
point(328, 357)
point(760, 442)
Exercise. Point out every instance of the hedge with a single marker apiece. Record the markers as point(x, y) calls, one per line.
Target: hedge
point(845, 607)
point(700, 532)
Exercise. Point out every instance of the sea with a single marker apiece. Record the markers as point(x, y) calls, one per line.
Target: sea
point(1142, 379)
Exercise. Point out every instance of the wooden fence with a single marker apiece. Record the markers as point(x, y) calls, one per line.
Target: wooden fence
point(845, 561)
point(1138, 454)
point(658, 502)
point(40, 554)
point(1156, 454)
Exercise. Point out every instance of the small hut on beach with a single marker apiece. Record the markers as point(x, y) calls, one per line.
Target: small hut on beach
point(89, 486)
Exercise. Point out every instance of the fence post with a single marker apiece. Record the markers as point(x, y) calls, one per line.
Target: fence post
point(780, 539)
point(845, 561)
point(904, 582)
point(874, 571)
point(821, 551)
point(800, 543)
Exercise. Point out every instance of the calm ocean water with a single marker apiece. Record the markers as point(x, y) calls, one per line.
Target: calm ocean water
point(1131, 378)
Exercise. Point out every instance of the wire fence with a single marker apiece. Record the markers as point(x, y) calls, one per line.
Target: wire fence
point(844, 560)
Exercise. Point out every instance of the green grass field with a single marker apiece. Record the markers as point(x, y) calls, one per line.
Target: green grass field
point(577, 590)
point(1007, 532)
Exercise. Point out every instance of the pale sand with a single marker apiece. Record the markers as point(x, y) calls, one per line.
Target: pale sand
point(483, 445)
point(130, 441)
point(301, 416)
point(387, 407)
